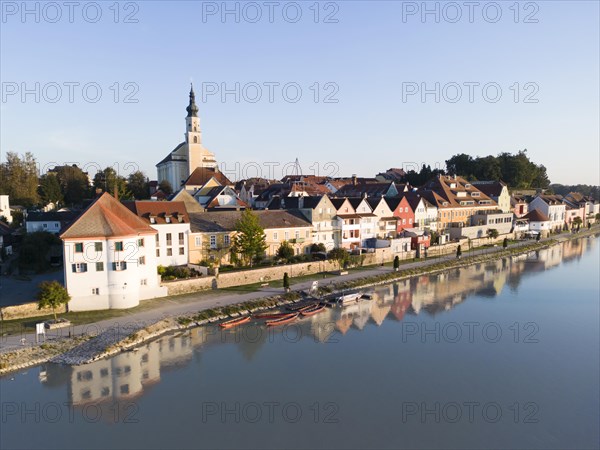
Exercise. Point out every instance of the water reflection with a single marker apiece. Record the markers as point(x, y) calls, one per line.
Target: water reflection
point(129, 375)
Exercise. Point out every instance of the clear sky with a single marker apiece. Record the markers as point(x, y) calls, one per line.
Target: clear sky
point(374, 58)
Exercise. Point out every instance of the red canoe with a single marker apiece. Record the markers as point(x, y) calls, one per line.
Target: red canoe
point(282, 320)
point(234, 322)
point(271, 315)
point(299, 309)
point(312, 311)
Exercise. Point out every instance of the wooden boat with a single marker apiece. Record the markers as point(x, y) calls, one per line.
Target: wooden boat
point(347, 299)
point(299, 308)
point(282, 320)
point(271, 315)
point(234, 322)
point(312, 311)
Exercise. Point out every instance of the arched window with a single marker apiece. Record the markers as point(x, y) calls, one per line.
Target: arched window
point(195, 139)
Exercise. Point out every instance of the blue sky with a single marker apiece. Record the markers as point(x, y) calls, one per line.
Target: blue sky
point(370, 57)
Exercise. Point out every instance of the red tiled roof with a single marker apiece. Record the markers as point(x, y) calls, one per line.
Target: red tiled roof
point(106, 217)
point(159, 210)
point(536, 216)
point(201, 175)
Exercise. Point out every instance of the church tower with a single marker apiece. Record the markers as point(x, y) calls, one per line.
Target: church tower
point(198, 156)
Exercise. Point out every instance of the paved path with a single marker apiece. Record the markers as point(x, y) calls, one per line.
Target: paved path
point(192, 303)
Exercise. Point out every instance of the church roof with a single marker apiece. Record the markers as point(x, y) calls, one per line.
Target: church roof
point(106, 217)
point(169, 157)
point(201, 175)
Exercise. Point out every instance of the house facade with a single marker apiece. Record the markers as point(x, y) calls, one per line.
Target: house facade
point(552, 207)
point(497, 191)
point(109, 258)
point(5, 208)
point(51, 222)
point(171, 221)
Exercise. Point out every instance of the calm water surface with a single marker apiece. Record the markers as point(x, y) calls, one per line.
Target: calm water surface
point(499, 355)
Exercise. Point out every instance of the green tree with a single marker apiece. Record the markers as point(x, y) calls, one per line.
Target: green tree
point(108, 180)
point(285, 251)
point(137, 183)
point(52, 294)
point(577, 222)
point(339, 255)
point(505, 243)
point(250, 239)
point(458, 251)
point(165, 187)
point(50, 190)
point(320, 247)
point(74, 183)
point(396, 262)
point(492, 233)
point(19, 179)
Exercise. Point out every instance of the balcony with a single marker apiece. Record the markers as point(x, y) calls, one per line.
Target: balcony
point(297, 240)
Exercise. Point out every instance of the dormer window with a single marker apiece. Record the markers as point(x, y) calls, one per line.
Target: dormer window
point(152, 219)
point(475, 194)
point(168, 219)
point(468, 185)
point(452, 185)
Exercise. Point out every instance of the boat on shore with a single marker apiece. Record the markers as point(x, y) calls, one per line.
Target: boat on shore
point(300, 308)
point(315, 309)
point(234, 322)
point(271, 315)
point(282, 320)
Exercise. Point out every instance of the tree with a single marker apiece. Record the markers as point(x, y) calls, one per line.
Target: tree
point(250, 239)
point(458, 251)
point(286, 281)
point(340, 255)
point(165, 187)
point(74, 183)
point(137, 183)
point(285, 251)
point(19, 179)
point(50, 190)
point(577, 222)
point(505, 243)
point(316, 248)
point(492, 233)
point(108, 180)
point(396, 263)
point(52, 294)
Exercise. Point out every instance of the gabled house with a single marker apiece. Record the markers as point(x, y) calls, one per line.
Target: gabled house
point(171, 221)
point(402, 211)
point(538, 221)
point(378, 189)
point(497, 191)
point(368, 220)
point(519, 205)
point(349, 222)
point(386, 221)
point(551, 206)
point(425, 214)
point(585, 206)
point(109, 258)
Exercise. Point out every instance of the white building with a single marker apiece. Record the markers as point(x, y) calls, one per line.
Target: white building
point(172, 222)
point(369, 222)
point(551, 206)
point(177, 166)
point(538, 221)
point(5, 208)
point(109, 258)
point(52, 222)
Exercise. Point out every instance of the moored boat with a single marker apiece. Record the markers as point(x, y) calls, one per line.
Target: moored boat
point(299, 308)
point(312, 311)
point(271, 315)
point(347, 299)
point(282, 320)
point(234, 322)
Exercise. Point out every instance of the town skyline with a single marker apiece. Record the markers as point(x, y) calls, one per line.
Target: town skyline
point(382, 110)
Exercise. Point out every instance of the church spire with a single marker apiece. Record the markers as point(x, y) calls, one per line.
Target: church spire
point(192, 109)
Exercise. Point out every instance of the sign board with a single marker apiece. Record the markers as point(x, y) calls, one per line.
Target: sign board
point(40, 331)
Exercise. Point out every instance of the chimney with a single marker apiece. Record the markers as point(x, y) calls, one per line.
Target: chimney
point(354, 179)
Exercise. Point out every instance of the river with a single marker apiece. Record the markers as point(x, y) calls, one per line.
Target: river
point(503, 354)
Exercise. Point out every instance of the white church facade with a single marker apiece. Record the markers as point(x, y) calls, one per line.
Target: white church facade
point(178, 165)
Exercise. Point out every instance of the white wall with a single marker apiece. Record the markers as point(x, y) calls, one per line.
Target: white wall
point(174, 229)
point(50, 226)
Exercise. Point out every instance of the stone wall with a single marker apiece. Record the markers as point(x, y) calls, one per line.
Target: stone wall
point(179, 287)
point(27, 310)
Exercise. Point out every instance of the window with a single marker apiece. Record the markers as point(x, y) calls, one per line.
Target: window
point(95, 291)
point(406, 209)
point(119, 246)
point(307, 234)
point(124, 389)
point(287, 235)
point(158, 253)
point(410, 221)
point(275, 235)
point(168, 219)
point(297, 234)
point(105, 392)
point(79, 267)
point(99, 267)
point(182, 250)
point(144, 282)
point(45, 225)
point(169, 252)
point(98, 246)
point(169, 239)
point(320, 210)
point(78, 247)
point(226, 239)
point(119, 265)
point(152, 219)
point(180, 238)
point(213, 241)
point(140, 242)
point(157, 239)
point(103, 373)
point(142, 260)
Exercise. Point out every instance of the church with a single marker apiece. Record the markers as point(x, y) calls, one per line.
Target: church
point(180, 163)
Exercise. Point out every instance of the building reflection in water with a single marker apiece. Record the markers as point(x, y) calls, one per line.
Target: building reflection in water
point(128, 375)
